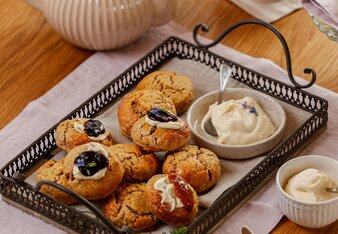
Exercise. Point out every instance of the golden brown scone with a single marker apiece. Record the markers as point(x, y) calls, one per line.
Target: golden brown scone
point(62, 173)
point(130, 206)
point(200, 167)
point(176, 216)
point(137, 166)
point(53, 171)
point(178, 88)
point(94, 189)
point(153, 139)
point(67, 137)
point(137, 104)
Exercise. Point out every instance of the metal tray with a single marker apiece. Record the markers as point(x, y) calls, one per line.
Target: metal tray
point(22, 195)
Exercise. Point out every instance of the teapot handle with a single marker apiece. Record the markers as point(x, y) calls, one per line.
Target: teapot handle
point(163, 11)
point(37, 4)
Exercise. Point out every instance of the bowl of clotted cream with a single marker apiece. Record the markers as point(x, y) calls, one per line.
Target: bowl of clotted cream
point(248, 123)
point(302, 189)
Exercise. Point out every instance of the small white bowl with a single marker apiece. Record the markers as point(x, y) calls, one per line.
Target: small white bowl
point(200, 107)
point(307, 214)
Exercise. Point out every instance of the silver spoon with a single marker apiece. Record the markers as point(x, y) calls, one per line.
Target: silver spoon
point(225, 72)
point(332, 190)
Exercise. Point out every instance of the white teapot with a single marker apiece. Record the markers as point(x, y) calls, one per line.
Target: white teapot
point(104, 24)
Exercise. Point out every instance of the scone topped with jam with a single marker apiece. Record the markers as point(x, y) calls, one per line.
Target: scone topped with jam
point(160, 130)
point(137, 104)
point(172, 199)
point(78, 131)
point(90, 170)
point(178, 88)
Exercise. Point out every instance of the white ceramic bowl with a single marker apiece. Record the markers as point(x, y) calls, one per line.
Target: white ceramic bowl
point(307, 214)
point(271, 107)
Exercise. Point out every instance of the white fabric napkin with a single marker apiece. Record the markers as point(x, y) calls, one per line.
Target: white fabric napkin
point(261, 213)
point(327, 10)
point(268, 11)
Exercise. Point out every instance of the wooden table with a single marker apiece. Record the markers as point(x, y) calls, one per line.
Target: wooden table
point(33, 58)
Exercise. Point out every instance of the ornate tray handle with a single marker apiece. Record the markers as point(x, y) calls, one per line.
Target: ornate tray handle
point(205, 28)
point(19, 178)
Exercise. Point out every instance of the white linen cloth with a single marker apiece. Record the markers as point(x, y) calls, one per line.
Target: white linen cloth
point(97, 71)
point(268, 11)
point(327, 10)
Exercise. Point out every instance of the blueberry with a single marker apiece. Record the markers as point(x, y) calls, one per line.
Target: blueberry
point(90, 162)
point(161, 115)
point(93, 128)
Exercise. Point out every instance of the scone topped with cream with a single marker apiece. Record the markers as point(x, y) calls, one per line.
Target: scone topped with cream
point(78, 131)
point(90, 170)
point(137, 104)
point(95, 179)
point(160, 130)
point(172, 199)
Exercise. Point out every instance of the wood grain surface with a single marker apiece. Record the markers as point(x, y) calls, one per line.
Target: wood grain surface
point(33, 58)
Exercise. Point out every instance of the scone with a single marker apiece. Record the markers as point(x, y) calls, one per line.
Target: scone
point(200, 167)
point(53, 171)
point(90, 170)
point(172, 199)
point(137, 104)
point(137, 166)
point(154, 135)
point(178, 88)
point(93, 185)
point(78, 131)
point(130, 206)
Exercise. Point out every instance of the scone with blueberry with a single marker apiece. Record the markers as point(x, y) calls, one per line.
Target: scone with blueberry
point(78, 131)
point(90, 170)
point(137, 104)
point(160, 130)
